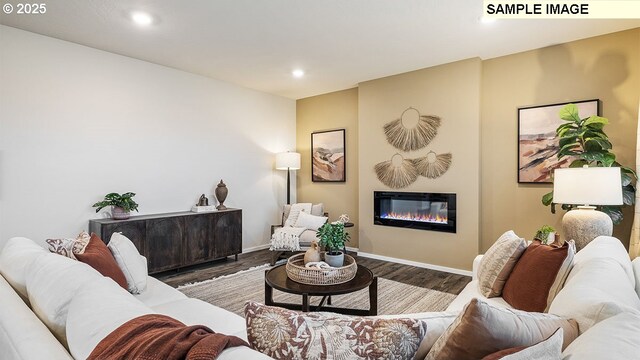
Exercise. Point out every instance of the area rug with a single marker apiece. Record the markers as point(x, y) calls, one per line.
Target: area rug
point(231, 292)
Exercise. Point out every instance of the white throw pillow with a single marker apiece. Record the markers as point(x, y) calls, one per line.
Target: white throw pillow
point(132, 264)
point(16, 257)
point(52, 282)
point(550, 348)
point(96, 310)
point(309, 221)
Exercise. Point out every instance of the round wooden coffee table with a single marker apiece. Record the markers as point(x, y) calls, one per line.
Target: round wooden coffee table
point(276, 278)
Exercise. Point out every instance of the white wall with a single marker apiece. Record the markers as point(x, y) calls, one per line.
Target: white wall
point(77, 123)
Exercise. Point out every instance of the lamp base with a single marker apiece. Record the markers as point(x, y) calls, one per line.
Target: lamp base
point(584, 224)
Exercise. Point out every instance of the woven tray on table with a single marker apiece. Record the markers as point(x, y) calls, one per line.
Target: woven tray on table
point(298, 273)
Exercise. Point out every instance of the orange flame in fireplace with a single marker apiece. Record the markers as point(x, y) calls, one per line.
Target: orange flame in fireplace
point(416, 217)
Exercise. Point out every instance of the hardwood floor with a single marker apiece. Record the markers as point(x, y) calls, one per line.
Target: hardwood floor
point(427, 278)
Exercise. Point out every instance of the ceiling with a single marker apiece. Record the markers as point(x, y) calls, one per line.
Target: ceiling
point(338, 43)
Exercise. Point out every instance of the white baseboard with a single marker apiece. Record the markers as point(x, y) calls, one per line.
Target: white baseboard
point(416, 264)
point(256, 248)
point(352, 249)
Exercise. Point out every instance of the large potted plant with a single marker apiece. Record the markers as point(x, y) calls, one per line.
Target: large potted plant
point(585, 141)
point(121, 205)
point(332, 238)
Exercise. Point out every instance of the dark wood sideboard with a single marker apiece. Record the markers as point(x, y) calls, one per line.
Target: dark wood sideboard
point(175, 240)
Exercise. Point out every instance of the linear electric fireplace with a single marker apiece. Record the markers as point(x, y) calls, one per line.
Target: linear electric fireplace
point(425, 211)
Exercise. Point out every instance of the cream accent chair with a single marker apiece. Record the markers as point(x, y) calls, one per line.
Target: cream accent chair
point(306, 238)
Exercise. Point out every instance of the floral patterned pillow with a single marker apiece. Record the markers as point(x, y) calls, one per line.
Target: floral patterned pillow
point(69, 247)
point(287, 334)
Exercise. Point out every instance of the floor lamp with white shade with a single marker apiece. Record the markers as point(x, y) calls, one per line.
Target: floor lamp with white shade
point(288, 161)
point(586, 187)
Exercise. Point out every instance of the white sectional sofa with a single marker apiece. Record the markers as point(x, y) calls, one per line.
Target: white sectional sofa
point(600, 293)
point(89, 310)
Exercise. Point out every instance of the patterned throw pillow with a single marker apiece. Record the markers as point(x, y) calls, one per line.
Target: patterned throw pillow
point(287, 334)
point(498, 262)
point(69, 247)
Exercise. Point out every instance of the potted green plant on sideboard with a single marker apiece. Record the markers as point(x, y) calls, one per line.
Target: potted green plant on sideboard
point(333, 237)
point(121, 205)
point(585, 141)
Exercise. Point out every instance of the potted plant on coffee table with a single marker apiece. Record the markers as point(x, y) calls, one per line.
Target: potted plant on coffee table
point(121, 205)
point(332, 238)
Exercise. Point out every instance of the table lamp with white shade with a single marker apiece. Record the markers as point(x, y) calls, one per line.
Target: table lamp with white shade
point(586, 187)
point(288, 161)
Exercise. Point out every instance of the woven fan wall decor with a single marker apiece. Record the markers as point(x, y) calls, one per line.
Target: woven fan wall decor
point(414, 138)
point(397, 174)
point(433, 165)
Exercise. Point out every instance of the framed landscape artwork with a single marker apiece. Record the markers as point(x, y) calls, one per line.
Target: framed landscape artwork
point(328, 156)
point(537, 141)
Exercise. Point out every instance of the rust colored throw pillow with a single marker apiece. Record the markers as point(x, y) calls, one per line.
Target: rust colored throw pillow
point(482, 329)
point(97, 255)
point(538, 276)
point(288, 334)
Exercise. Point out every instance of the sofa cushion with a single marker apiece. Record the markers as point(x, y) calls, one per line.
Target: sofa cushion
point(598, 291)
point(98, 308)
point(482, 329)
point(604, 246)
point(636, 271)
point(470, 292)
point(287, 334)
point(197, 312)
point(15, 258)
point(129, 260)
point(617, 337)
point(550, 348)
point(317, 209)
point(22, 334)
point(498, 262)
point(158, 293)
point(538, 276)
point(52, 282)
point(98, 256)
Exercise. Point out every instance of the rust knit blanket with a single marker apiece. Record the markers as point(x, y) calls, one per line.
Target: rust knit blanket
point(159, 337)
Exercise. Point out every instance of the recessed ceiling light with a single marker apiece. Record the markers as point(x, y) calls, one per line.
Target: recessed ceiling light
point(487, 20)
point(297, 73)
point(142, 19)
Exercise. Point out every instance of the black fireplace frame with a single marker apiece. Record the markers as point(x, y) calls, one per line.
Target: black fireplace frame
point(450, 198)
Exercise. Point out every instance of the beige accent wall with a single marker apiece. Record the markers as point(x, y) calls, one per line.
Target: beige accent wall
point(451, 91)
point(605, 67)
point(337, 110)
point(478, 102)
